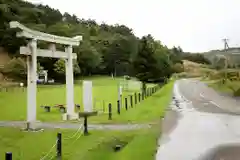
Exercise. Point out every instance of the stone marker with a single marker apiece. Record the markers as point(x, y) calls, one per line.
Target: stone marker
point(120, 94)
point(87, 96)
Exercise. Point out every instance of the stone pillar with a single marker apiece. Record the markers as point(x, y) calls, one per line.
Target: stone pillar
point(120, 94)
point(69, 82)
point(32, 81)
point(87, 96)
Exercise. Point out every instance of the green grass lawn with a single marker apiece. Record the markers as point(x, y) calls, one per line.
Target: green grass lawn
point(98, 145)
point(225, 88)
point(138, 144)
point(149, 110)
point(13, 104)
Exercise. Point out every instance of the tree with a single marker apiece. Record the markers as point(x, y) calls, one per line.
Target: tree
point(118, 53)
point(16, 68)
point(61, 69)
point(196, 57)
point(145, 63)
point(88, 58)
point(105, 48)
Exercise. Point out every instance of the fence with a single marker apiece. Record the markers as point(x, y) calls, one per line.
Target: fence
point(130, 101)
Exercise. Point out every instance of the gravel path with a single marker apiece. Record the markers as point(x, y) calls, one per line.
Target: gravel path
point(22, 124)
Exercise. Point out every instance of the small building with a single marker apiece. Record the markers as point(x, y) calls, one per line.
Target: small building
point(42, 76)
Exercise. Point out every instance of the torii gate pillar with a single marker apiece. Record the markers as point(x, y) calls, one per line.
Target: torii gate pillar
point(31, 80)
point(69, 81)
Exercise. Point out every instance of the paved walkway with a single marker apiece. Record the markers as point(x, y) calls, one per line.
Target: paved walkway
point(22, 124)
point(203, 126)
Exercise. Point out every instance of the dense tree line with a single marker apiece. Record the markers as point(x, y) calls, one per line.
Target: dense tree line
point(105, 49)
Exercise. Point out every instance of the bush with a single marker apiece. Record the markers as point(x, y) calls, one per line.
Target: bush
point(127, 77)
point(15, 68)
point(237, 93)
point(178, 68)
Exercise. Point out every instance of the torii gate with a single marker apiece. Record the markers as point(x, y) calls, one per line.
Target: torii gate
point(32, 53)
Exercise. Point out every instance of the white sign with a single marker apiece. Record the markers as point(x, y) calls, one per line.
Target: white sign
point(120, 90)
point(87, 96)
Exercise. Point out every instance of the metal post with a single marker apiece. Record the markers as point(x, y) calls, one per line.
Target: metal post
point(118, 107)
point(59, 146)
point(8, 156)
point(135, 97)
point(139, 97)
point(85, 125)
point(126, 104)
point(131, 101)
point(110, 111)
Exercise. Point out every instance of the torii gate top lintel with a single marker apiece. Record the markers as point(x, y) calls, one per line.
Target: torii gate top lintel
point(29, 33)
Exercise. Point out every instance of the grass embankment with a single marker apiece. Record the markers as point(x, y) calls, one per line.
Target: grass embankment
point(149, 110)
point(140, 144)
point(230, 87)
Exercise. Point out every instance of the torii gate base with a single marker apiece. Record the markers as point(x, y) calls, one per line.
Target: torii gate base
point(32, 53)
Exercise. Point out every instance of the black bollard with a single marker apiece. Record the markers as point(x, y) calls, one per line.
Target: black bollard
point(59, 146)
point(85, 125)
point(8, 156)
point(143, 95)
point(135, 97)
point(139, 97)
point(118, 107)
point(126, 104)
point(110, 111)
point(131, 101)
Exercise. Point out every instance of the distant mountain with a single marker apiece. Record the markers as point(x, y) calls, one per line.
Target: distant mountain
point(232, 53)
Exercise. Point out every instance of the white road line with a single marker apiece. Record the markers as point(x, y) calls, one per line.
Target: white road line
point(215, 104)
point(201, 95)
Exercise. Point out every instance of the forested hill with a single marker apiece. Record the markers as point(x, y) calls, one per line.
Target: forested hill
point(105, 49)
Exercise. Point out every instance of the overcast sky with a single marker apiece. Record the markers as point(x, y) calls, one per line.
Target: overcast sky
point(195, 25)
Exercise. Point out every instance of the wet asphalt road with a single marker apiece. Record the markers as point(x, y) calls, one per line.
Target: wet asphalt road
point(204, 126)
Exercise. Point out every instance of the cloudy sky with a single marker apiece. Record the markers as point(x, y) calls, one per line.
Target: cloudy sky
point(195, 25)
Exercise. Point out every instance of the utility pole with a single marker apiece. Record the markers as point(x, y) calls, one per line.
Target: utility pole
point(225, 40)
point(225, 43)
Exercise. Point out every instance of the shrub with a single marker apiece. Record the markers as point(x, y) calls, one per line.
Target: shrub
point(15, 68)
point(178, 68)
point(237, 93)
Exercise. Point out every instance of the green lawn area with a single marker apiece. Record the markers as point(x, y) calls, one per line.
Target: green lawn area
point(138, 144)
point(98, 145)
point(13, 104)
point(149, 110)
